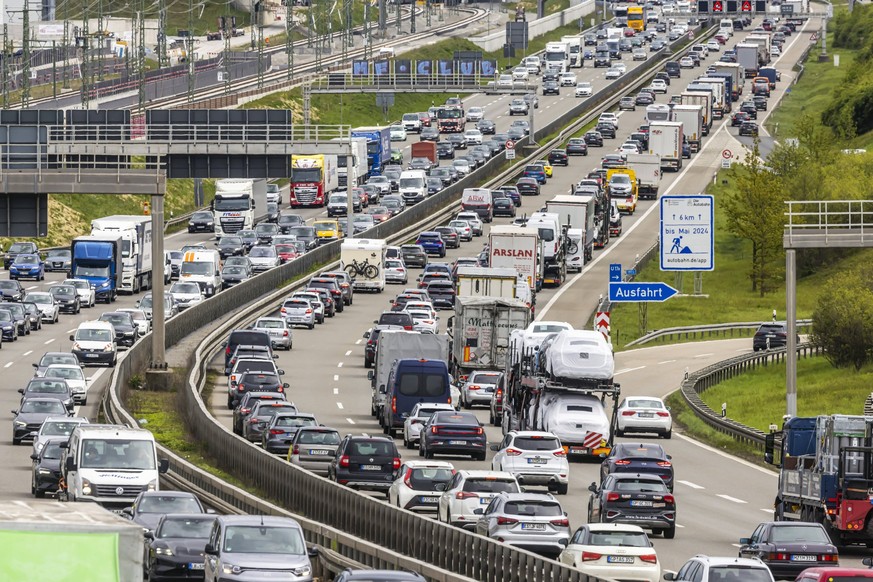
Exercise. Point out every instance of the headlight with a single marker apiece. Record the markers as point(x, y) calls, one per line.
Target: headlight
point(210, 223)
point(302, 571)
point(76, 346)
point(231, 569)
point(39, 446)
point(86, 487)
point(104, 284)
point(19, 423)
point(164, 551)
point(153, 485)
point(190, 223)
point(108, 348)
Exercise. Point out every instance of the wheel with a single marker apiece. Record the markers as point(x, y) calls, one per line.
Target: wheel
point(428, 455)
point(619, 432)
point(16, 442)
point(229, 403)
point(668, 434)
point(371, 271)
point(491, 418)
point(38, 493)
point(311, 326)
point(367, 363)
point(670, 533)
point(480, 456)
point(55, 320)
point(351, 271)
point(562, 488)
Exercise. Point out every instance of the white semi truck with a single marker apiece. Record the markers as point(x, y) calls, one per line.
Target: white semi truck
point(136, 248)
point(238, 204)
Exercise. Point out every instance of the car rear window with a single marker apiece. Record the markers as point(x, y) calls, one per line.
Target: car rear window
point(425, 479)
point(395, 318)
point(533, 508)
point(295, 421)
point(493, 485)
point(372, 448)
point(265, 379)
point(618, 538)
point(249, 338)
point(536, 443)
point(319, 437)
point(422, 384)
point(640, 485)
point(645, 404)
point(739, 574)
point(270, 410)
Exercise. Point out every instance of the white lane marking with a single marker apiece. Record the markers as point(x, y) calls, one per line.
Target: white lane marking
point(692, 485)
point(601, 257)
point(723, 454)
point(357, 343)
point(71, 330)
point(350, 421)
point(336, 377)
point(27, 353)
point(766, 510)
point(729, 498)
point(8, 365)
point(736, 545)
point(47, 342)
point(680, 525)
point(704, 355)
point(628, 370)
point(336, 390)
point(666, 362)
point(339, 405)
point(340, 365)
point(32, 287)
point(349, 353)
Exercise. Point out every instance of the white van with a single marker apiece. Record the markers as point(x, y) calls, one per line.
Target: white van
point(480, 201)
point(364, 261)
point(412, 185)
point(110, 464)
point(575, 249)
point(94, 343)
point(203, 268)
point(726, 27)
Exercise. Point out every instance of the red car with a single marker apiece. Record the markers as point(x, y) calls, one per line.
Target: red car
point(424, 117)
point(836, 574)
point(379, 214)
point(362, 194)
point(721, 38)
point(629, 32)
point(287, 252)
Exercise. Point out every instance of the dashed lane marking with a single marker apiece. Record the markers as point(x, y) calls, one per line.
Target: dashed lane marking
point(729, 498)
point(692, 485)
point(339, 405)
point(349, 353)
point(704, 355)
point(350, 421)
point(666, 362)
point(628, 370)
point(340, 365)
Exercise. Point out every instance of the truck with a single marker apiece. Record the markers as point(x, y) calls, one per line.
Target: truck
point(360, 166)
point(798, 8)
point(647, 168)
point(136, 248)
point(313, 178)
point(704, 100)
point(479, 332)
point(747, 58)
point(560, 384)
point(553, 242)
point(574, 45)
point(623, 189)
point(425, 149)
point(729, 88)
point(737, 74)
point(451, 119)
point(716, 97)
point(399, 345)
point(378, 146)
point(237, 204)
point(576, 213)
point(204, 268)
point(764, 45)
point(722, 94)
point(691, 118)
point(613, 44)
point(517, 248)
point(413, 186)
point(665, 140)
point(480, 201)
point(772, 75)
point(557, 56)
point(364, 261)
point(657, 112)
point(91, 542)
point(825, 474)
point(487, 282)
point(98, 260)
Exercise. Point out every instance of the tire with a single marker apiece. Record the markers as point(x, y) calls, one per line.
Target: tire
point(480, 456)
point(38, 494)
point(351, 271)
point(229, 403)
point(668, 434)
point(371, 271)
point(428, 455)
point(670, 533)
point(311, 326)
point(562, 488)
point(16, 442)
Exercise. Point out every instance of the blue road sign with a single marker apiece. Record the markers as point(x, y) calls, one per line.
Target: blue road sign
point(630, 272)
point(640, 292)
point(614, 273)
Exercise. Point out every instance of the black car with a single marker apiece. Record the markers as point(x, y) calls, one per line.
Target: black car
point(365, 462)
point(442, 293)
point(332, 286)
point(288, 221)
point(125, 328)
point(738, 118)
point(46, 472)
point(748, 107)
point(644, 98)
point(434, 185)
point(372, 345)
point(760, 102)
point(662, 75)
point(256, 381)
point(31, 414)
point(201, 221)
point(602, 59)
point(245, 406)
point(640, 137)
point(420, 164)
point(56, 388)
point(150, 506)
point(57, 260)
point(559, 158)
point(528, 187)
point(550, 76)
point(395, 319)
point(790, 547)
point(453, 433)
point(66, 298)
point(592, 138)
point(457, 140)
point(19, 248)
point(234, 275)
point(350, 575)
point(551, 88)
point(445, 151)
point(413, 256)
point(771, 336)
point(175, 547)
point(450, 236)
point(673, 69)
point(486, 126)
point(249, 238)
point(511, 192)
point(22, 322)
point(8, 327)
point(11, 291)
point(749, 128)
point(230, 245)
point(34, 315)
point(638, 458)
point(503, 207)
point(606, 129)
point(429, 134)
point(639, 499)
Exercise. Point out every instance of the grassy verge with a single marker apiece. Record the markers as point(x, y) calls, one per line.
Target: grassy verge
point(729, 294)
point(757, 398)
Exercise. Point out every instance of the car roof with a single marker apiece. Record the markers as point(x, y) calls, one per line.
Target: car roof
point(532, 433)
point(614, 527)
point(528, 496)
point(728, 561)
point(267, 520)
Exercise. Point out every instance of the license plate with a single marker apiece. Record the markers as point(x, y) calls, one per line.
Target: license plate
point(195, 566)
point(641, 503)
point(484, 500)
point(457, 442)
point(578, 450)
point(429, 499)
point(645, 415)
point(537, 461)
point(534, 526)
point(802, 558)
point(620, 559)
point(318, 452)
point(92, 355)
point(371, 467)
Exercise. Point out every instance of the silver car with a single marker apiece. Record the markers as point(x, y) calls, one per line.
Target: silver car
point(479, 388)
point(278, 329)
point(56, 426)
point(186, 294)
point(170, 307)
point(313, 448)
point(298, 311)
point(46, 304)
point(531, 521)
point(143, 324)
point(262, 413)
point(264, 258)
point(87, 294)
point(395, 271)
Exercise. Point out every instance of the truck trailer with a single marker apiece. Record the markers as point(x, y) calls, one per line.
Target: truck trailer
point(378, 146)
point(98, 260)
point(691, 118)
point(517, 248)
point(577, 213)
point(665, 140)
point(647, 168)
point(136, 248)
point(313, 178)
point(487, 282)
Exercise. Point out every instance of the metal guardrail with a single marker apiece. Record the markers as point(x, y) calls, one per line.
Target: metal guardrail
point(691, 332)
point(698, 382)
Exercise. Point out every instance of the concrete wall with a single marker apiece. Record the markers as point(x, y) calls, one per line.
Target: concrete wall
point(535, 28)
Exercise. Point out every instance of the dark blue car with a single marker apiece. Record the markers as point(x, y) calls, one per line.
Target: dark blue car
point(27, 266)
point(535, 171)
point(432, 243)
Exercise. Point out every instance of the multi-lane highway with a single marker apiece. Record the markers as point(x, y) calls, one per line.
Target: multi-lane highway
point(719, 497)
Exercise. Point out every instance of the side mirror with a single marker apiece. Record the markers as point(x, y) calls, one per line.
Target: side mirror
point(21, 390)
point(34, 456)
point(210, 549)
point(163, 466)
point(280, 372)
point(70, 464)
point(370, 375)
point(286, 385)
point(312, 551)
point(149, 535)
point(376, 321)
point(35, 365)
point(669, 575)
point(14, 412)
point(383, 389)
point(128, 511)
point(593, 488)
point(669, 457)
point(867, 562)
point(494, 448)
point(275, 356)
point(366, 335)
point(72, 338)
point(745, 541)
point(210, 511)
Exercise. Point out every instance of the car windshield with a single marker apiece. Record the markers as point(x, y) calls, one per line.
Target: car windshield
point(186, 528)
point(65, 290)
point(198, 268)
point(168, 504)
point(230, 241)
point(115, 318)
point(739, 574)
point(187, 288)
point(71, 373)
point(26, 259)
point(58, 428)
point(53, 451)
point(262, 252)
point(43, 407)
point(90, 334)
point(632, 539)
point(640, 485)
point(786, 534)
point(261, 539)
point(118, 453)
point(58, 254)
point(491, 485)
point(48, 386)
point(40, 298)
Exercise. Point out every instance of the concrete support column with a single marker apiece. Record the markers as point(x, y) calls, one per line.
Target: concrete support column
point(791, 321)
point(158, 321)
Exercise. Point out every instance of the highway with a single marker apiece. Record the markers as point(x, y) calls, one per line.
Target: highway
point(719, 498)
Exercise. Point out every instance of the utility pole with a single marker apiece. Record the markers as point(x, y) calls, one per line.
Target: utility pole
point(5, 66)
point(226, 21)
point(139, 35)
point(383, 20)
point(260, 26)
point(25, 55)
point(427, 11)
point(412, 18)
point(67, 43)
point(189, 53)
point(163, 60)
point(289, 41)
point(101, 43)
point(253, 17)
point(397, 17)
point(87, 78)
point(368, 36)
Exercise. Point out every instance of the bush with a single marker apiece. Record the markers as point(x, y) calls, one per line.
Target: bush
point(842, 322)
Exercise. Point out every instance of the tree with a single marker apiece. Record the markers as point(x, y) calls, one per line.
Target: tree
point(842, 322)
point(755, 211)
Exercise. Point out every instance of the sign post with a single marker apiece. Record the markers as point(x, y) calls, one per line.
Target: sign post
point(510, 149)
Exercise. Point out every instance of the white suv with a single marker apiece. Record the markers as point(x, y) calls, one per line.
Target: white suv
point(534, 458)
point(702, 568)
point(473, 220)
point(469, 493)
point(609, 117)
point(584, 89)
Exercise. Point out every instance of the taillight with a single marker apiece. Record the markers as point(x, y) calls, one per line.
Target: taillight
point(612, 496)
point(344, 461)
point(669, 499)
point(283, 310)
point(285, 333)
point(253, 421)
point(628, 413)
point(277, 431)
point(245, 410)
point(510, 452)
point(281, 389)
point(828, 558)
point(777, 556)
point(464, 495)
point(473, 387)
point(434, 430)
point(665, 464)
point(240, 387)
point(394, 405)
point(622, 462)
point(407, 479)
point(407, 327)
point(562, 522)
point(560, 453)
point(227, 350)
point(506, 521)
point(590, 556)
point(308, 311)
point(650, 558)
point(664, 414)
point(295, 450)
point(480, 431)
point(499, 394)
point(396, 463)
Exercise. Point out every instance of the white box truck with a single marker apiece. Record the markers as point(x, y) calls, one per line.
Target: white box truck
point(487, 282)
point(238, 204)
point(691, 118)
point(360, 166)
point(665, 140)
point(574, 44)
point(578, 212)
point(647, 168)
point(704, 100)
point(518, 248)
point(764, 45)
point(747, 58)
point(721, 94)
point(136, 248)
point(364, 260)
point(736, 72)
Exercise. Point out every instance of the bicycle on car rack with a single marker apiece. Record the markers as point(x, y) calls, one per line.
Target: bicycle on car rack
point(364, 269)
